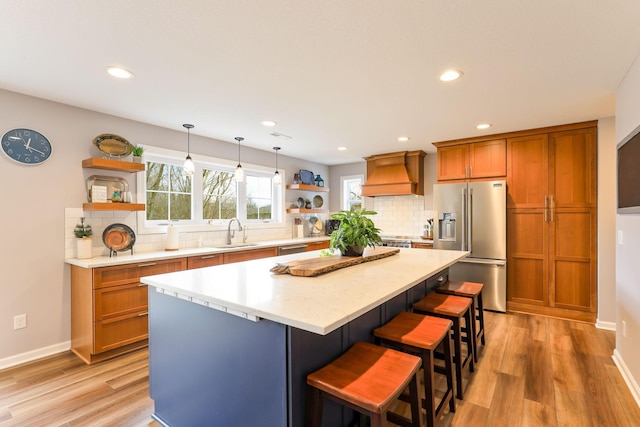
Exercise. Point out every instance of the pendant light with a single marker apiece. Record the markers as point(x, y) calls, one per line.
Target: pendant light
point(188, 165)
point(239, 170)
point(277, 180)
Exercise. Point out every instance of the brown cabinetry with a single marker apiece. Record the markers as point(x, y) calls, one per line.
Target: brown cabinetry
point(250, 254)
point(422, 245)
point(200, 261)
point(316, 246)
point(470, 161)
point(552, 223)
point(109, 308)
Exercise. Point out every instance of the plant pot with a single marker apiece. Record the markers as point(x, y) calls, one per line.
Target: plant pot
point(137, 159)
point(354, 250)
point(84, 248)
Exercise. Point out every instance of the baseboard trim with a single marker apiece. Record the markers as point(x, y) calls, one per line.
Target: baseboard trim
point(626, 375)
point(607, 326)
point(39, 353)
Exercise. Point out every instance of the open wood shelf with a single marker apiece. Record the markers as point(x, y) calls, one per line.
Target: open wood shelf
point(302, 210)
point(113, 206)
point(112, 165)
point(307, 187)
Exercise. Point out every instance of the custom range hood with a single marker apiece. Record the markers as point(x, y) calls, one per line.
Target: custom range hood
point(395, 174)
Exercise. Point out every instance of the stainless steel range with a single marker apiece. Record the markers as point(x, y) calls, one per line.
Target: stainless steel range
point(396, 241)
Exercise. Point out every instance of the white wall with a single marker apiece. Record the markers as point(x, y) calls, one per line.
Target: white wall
point(33, 276)
point(606, 223)
point(628, 251)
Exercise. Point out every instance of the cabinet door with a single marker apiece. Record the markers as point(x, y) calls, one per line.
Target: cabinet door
point(572, 163)
point(572, 259)
point(488, 159)
point(527, 171)
point(422, 245)
point(453, 162)
point(230, 257)
point(120, 331)
point(315, 246)
point(203, 261)
point(527, 257)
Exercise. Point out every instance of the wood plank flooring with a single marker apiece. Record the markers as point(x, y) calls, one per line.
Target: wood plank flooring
point(533, 371)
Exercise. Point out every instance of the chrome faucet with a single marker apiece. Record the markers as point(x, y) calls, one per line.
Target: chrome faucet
point(232, 233)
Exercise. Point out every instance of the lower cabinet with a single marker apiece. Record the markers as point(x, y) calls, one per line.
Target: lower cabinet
point(200, 261)
point(109, 308)
point(249, 254)
point(422, 245)
point(316, 246)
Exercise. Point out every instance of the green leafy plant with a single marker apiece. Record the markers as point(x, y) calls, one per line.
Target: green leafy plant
point(355, 232)
point(82, 230)
point(137, 150)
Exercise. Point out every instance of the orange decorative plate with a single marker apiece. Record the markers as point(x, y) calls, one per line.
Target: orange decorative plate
point(118, 238)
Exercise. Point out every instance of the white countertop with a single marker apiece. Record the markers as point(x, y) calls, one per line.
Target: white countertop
point(318, 304)
point(127, 257)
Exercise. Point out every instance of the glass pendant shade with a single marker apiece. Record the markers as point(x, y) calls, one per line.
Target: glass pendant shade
point(277, 179)
point(239, 171)
point(188, 165)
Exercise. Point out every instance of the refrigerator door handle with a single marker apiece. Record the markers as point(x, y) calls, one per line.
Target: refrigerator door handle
point(497, 263)
point(464, 220)
point(470, 221)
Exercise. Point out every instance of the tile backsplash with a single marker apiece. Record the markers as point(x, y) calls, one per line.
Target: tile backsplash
point(400, 215)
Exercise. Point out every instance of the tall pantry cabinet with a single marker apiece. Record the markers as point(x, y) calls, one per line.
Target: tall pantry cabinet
point(552, 222)
point(551, 216)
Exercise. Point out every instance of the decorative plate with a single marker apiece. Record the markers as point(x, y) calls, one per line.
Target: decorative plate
point(118, 237)
point(306, 177)
point(112, 145)
point(300, 202)
point(318, 201)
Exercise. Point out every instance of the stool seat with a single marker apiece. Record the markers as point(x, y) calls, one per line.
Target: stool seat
point(416, 330)
point(449, 305)
point(369, 379)
point(463, 289)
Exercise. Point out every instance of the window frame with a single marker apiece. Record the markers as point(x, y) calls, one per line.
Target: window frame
point(197, 224)
point(344, 199)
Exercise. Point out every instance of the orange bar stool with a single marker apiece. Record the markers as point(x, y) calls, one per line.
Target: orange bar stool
point(368, 379)
point(455, 309)
point(474, 291)
point(422, 335)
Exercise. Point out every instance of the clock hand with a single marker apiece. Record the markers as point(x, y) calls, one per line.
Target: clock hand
point(27, 145)
point(37, 151)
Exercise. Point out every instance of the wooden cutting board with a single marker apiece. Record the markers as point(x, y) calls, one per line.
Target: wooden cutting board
point(324, 264)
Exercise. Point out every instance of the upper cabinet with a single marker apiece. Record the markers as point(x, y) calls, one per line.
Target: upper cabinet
point(470, 161)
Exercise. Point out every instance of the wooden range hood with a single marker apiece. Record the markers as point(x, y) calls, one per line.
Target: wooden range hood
point(395, 174)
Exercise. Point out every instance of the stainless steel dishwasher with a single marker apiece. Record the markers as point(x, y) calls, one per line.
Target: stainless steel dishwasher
point(292, 249)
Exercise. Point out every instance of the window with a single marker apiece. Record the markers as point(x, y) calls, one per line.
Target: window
point(208, 198)
point(351, 192)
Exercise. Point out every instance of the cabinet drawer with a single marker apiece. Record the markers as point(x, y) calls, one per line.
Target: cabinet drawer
point(131, 273)
point(315, 246)
point(119, 300)
point(230, 257)
point(422, 245)
point(120, 331)
point(203, 261)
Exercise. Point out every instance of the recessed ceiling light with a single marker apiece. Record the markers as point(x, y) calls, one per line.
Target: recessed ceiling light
point(403, 139)
point(450, 75)
point(269, 123)
point(120, 73)
point(484, 126)
point(342, 148)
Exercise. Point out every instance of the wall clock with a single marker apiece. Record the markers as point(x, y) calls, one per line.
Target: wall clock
point(26, 146)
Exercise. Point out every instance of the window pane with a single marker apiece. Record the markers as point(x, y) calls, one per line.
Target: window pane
point(157, 206)
point(157, 176)
point(259, 197)
point(219, 195)
point(179, 182)
point(180, 206)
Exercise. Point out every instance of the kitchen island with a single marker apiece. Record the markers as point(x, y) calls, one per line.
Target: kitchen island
point(231, 345)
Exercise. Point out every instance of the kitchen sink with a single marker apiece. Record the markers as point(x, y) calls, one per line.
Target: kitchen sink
point(235, 245)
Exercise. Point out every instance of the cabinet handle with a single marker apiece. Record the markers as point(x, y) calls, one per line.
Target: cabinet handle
point(552, 204)
point(208, 256)
point(546, 205)
point(470, 171)
point(146, 313)
point(151, 264)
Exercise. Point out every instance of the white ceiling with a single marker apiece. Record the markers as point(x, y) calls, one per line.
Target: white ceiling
point(357, 73)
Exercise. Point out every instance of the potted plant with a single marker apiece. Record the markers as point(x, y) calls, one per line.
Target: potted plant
point(137, 152)
point(355, 232)
point(83, 234)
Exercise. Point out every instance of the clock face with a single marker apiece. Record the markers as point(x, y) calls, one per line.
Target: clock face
point(26, 146)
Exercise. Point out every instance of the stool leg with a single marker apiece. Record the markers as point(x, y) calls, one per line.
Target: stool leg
point(471, 338)
point(429, 392)
point(481, 317)
point(457, 354)
point(448, 367)
point(473, 333)
point(416, 411)
point(314, 407)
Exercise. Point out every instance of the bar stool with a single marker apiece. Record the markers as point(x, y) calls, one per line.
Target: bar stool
point(421, 335)
point(474, 291)
point(455, 309)
point(368, 379)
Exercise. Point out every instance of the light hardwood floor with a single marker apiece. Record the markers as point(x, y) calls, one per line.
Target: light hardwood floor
point(533, 371)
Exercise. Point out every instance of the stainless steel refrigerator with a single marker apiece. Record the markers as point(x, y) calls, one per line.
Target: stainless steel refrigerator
point(473, 217)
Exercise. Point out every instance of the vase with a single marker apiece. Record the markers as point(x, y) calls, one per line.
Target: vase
point(84, 248)
point(137, 159)
point(354, 250)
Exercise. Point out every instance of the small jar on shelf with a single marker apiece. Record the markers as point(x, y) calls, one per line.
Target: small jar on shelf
point(319, 181)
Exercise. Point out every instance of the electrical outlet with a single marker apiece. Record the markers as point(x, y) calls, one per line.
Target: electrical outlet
point(624, 329)
point(20, 321)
